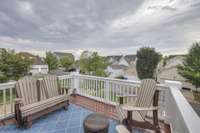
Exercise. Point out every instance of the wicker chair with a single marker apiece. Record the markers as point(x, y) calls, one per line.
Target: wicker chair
point(28, 104)
point(146, 94)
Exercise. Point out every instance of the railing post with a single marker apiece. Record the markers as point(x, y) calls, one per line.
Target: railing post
point(76, 82)
point(170, 105)
point(176, 84)
point(106, 90)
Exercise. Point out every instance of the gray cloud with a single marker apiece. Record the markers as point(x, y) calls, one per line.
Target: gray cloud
point(108, 26)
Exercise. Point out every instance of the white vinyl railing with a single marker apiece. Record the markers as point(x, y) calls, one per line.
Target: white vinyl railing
point(107, 89)
point(98, 88)
point(179, 113)
point(6, 99)
point(173, 107)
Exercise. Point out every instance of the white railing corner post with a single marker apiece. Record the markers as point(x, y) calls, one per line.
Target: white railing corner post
point(106, 90)
point(174, 84)
point(76, 82)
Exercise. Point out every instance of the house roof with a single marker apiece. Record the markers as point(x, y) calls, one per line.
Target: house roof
point(114, 57)
point(28, 55)
point(118, 66)
point(62, 54)
point(39, 61)
point(130, 58)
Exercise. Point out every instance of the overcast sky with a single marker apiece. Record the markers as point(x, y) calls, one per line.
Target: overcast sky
point(107, 26)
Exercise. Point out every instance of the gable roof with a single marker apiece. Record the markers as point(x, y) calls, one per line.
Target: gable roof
point(130, 58)
point(118, 66)
point(28, 55)
point(62, 54)
point(114, 57)
point(39, 61)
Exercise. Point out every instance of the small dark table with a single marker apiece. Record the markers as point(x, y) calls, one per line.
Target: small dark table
point(96, 123)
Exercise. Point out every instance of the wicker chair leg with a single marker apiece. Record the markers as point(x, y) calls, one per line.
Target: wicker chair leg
point(66, 105)
point(65, 108)
point(158, 130)
point(19, 122)
point(27, 123)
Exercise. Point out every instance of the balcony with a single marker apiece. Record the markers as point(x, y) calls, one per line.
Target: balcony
point(97, 94)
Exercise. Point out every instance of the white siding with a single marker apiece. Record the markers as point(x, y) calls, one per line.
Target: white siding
point(122, 61)
point(115, 72)
point(39, 69)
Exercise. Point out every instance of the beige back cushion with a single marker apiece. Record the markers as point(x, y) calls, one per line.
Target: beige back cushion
point(145, 94)
point(26, 89)
point(51, 86)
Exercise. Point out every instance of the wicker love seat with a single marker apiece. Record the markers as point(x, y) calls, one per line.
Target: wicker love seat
point(36, 98)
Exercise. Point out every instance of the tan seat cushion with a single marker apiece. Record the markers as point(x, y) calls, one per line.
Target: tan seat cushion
point(122, 114)
point(42, 105)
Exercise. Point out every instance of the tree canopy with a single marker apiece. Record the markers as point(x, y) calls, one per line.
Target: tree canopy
point(67, 61)
point(147, 61)
point(93, 65)
point(52, 61)
point(191, 65)
point(12, 65)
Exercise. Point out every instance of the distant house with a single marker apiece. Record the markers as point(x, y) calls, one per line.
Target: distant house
point(120, 65)
point(73, 67)
point(168, 70)
point(114, 59)
point(116, 70)
point(39, 67)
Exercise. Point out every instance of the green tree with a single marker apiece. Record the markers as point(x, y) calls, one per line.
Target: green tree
point(52, 61)
point(67, 61)
point(84, 62)
point(147, 61)
point(93, 65)
point(191, 65)
point(12, 65)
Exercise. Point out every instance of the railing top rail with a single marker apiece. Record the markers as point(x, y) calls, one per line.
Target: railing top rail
point(65, 76)
point(190, 117)
point(106, 78)
point(12, 83)
point(187, 120)
point(7, 85)
point(161, 87)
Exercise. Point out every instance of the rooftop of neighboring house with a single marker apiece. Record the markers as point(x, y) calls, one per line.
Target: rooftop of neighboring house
point(62, 54)
point(116, 58)
point(118, 66)
point(39, 61)
point(26, 54)
point(130, 58)
point(172, 61)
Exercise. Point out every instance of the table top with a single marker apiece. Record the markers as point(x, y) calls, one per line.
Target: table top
point(96, 121)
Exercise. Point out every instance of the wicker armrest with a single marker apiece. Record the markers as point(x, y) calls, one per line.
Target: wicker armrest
point(18, 100)
point(121, 97)
point(131, 108)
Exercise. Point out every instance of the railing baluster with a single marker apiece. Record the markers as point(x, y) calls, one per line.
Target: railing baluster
point(11, 99)
point(4, 101)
